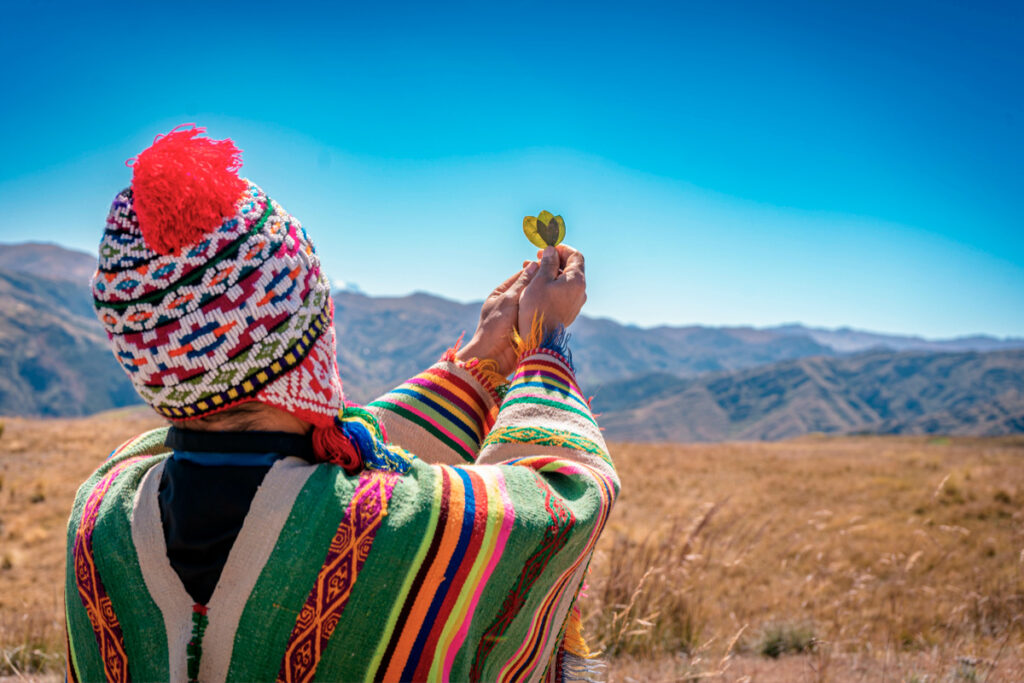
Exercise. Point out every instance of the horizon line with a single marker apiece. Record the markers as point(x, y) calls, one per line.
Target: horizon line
point(353, 288)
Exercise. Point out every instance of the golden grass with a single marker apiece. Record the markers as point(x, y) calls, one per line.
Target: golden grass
point(42, 463)
point(882, 558)
point(878, 558)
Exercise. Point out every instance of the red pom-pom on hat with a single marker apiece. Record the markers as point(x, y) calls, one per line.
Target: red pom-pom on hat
point(183, 187)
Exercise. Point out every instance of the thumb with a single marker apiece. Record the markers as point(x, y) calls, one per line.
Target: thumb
point(548, 264)
point(525, 276)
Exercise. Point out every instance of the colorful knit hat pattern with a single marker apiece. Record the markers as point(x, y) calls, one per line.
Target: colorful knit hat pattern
point(211, 293)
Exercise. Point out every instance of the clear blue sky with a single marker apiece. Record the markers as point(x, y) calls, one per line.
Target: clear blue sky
point(831, 163)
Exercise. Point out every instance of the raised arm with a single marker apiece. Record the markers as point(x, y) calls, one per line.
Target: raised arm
point(443, 413)
point(544, 411)
point(549, 450)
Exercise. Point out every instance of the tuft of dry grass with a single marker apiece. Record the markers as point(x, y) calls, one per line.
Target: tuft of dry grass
point(851, 559)
point(649, 600)
point(30, 643)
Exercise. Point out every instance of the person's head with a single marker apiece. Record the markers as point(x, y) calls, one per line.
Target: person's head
point(212, 294)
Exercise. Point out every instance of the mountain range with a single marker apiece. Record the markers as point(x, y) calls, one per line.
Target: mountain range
point(692, 383)
point(879, 392)
point(54, 359)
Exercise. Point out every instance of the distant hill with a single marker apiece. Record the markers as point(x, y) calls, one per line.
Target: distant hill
point(47, 260)
point(54, 358)
point(383, 340)
point(847, 340)
point(881, 392)
point(692, 383)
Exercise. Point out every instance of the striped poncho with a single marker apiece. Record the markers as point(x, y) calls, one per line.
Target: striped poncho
point(463, 562)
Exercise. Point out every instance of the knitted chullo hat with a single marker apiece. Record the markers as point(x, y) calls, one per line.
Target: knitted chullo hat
point(212, 295)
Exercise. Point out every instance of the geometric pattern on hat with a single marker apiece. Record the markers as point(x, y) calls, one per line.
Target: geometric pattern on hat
point(313, 390)
point(243, 314)
point(131, 271)
point(136, 293)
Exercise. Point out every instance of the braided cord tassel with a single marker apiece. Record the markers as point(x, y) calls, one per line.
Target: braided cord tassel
point(356, 440)
point(194, 649)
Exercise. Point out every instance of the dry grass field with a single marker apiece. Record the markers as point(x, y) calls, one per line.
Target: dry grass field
point(819, 559)
point(846, 559)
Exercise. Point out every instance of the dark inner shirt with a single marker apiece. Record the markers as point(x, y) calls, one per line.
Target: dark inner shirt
point(206, 489)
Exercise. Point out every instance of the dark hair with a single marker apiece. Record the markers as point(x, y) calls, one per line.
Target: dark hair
point(240, 418)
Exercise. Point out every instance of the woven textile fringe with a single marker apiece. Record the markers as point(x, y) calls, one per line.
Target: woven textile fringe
point(555, 341)
point(582, 669)
point(484, 371)
point(574, 642)
point(576, 663)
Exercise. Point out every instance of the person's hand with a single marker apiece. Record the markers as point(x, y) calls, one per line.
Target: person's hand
point(498, 317)
point(557, 291)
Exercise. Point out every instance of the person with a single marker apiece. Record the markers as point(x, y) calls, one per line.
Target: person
point(274, 531)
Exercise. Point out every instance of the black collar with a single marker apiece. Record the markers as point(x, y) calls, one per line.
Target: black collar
point(287, 443)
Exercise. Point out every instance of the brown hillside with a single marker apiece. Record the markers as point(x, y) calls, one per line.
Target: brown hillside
point(54, 358)
point(47, 260)
point(979, 394)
